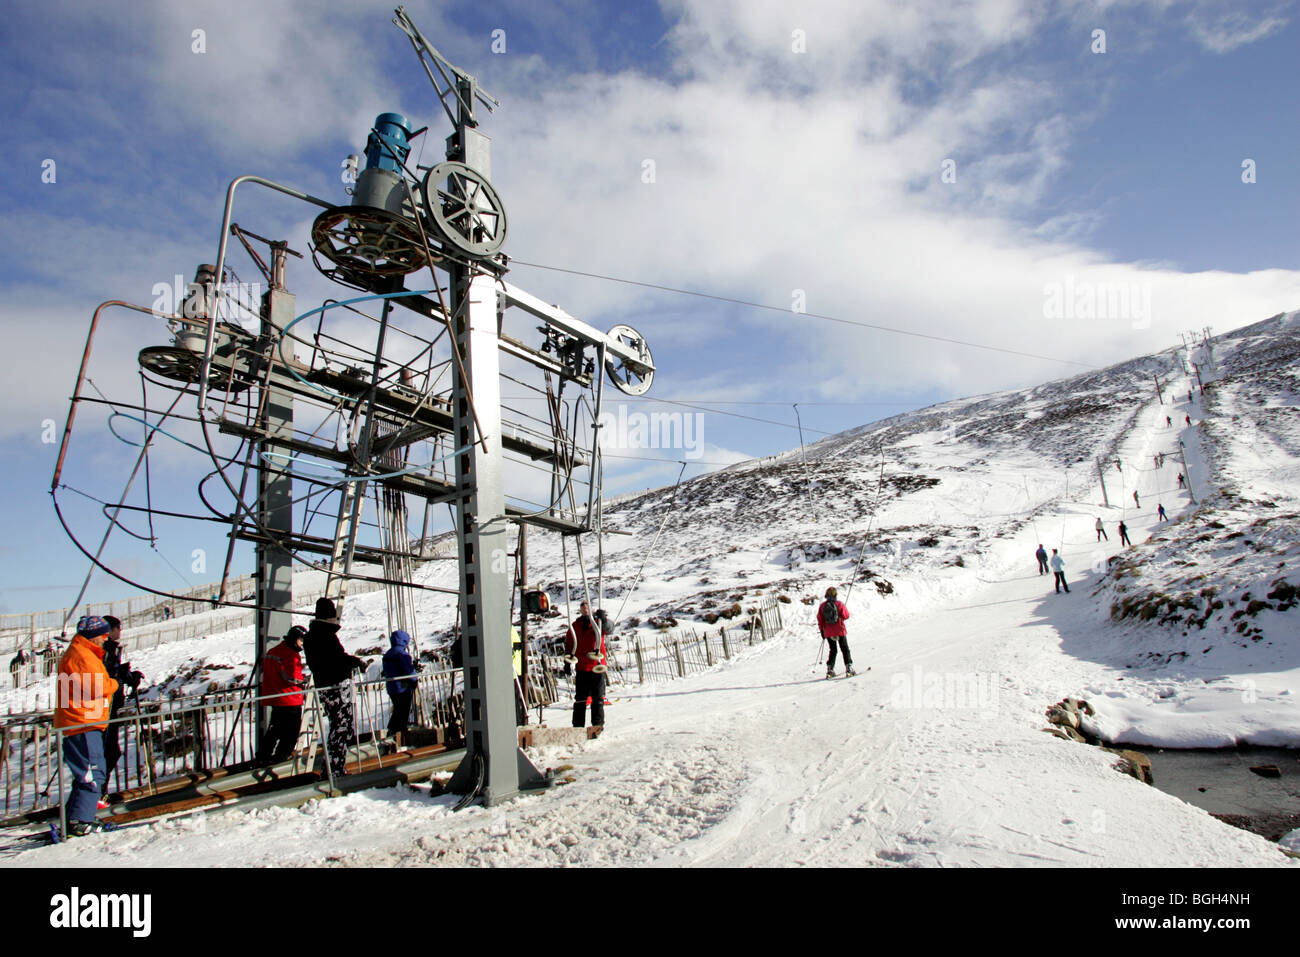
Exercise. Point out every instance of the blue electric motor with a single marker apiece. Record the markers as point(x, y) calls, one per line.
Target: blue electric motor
point(380, 184)
point(391, 135)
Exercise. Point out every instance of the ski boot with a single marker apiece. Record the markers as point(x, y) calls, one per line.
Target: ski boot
point(82, 828)
point(830, 673)
point(848, 671)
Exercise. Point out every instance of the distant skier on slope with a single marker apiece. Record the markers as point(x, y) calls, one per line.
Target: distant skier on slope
point(1180, 479)
point(1123, 534)
point(831, 617)
point(1041, 555)
point(1058, 566)
point(1160, 511)
point(1168, 421)
point(1188, 418)
point(1101, 531)
point(16, 665)
point(1136, 501)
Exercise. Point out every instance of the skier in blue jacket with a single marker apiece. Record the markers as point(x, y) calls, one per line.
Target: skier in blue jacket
point(398, 667)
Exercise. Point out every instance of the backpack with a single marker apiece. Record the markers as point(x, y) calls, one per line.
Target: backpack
point(830, 612)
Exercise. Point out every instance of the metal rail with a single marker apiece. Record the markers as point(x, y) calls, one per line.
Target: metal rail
point(166, 744)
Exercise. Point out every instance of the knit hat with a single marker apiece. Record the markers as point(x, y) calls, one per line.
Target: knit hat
point(92, 626)
point(296, 634)
point(325, 609)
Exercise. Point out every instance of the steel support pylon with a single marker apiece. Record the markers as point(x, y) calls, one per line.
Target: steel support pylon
point(274, 497)
point(491, 735)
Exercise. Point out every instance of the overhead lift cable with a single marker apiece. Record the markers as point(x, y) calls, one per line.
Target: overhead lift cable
point(810, 315)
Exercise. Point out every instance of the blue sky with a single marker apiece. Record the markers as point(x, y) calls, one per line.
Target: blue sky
point(797, 149)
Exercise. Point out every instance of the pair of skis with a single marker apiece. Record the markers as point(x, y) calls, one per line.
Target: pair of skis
point(847, 674)
point(51, 835)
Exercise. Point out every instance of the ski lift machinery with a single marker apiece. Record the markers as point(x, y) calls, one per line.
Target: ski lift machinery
point(446, 219)
point(452, 218)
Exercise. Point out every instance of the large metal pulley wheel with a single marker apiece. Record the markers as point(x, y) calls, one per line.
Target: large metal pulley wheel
point(630, 376)
point(369, 241)
point(184, 365)
point(464, 209)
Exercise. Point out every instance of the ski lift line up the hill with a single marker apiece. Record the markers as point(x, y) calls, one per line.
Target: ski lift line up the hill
point(811, 315)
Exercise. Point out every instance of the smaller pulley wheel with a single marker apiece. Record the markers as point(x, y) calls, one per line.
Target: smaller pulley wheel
point(464, 210)
point(369, 241)
point(632, 376)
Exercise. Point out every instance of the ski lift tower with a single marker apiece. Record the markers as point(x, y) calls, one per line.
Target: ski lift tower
point(453, 219)
point(449, 220)
point(469, 208)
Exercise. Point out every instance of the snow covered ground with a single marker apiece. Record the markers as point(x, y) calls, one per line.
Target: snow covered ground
point(935, 756)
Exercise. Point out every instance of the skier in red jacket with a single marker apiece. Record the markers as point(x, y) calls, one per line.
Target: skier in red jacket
point(831, 617)
point(586, 640)
point(282, 678)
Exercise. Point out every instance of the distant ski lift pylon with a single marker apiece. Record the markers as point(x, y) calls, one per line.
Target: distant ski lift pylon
point(632, 377)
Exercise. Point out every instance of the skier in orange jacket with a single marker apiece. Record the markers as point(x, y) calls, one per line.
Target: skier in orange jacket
point(84, 693)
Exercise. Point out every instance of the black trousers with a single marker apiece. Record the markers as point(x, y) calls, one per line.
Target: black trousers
point(281, 734)
point(1123, 538)
point(521, 708)
point(1042, 566)
point(401, 716)
point(588, 684)
point(112, 751)
point(1060, 582)
point(844, 649)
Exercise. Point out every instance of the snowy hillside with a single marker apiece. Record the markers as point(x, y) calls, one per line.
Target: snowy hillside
point(936, 756)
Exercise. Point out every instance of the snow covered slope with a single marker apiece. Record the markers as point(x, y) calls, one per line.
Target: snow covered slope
point(936, 756)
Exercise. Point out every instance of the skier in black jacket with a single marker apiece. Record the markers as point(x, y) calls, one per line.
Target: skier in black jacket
point(121, 672)
point(330, 666)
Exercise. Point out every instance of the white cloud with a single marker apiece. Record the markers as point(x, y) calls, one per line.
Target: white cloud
point(1222, 28)
point(774, 172)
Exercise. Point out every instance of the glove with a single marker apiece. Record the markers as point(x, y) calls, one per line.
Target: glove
point(134, 680)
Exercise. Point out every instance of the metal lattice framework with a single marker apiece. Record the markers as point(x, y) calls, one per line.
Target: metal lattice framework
point(284, 423)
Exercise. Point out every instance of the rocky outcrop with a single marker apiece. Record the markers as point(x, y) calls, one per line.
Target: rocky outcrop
point(1065, 720)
